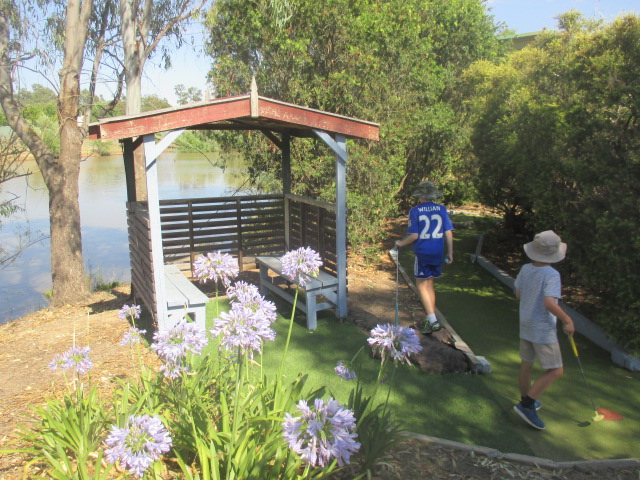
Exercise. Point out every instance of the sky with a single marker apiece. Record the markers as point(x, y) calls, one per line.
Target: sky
point(190, 65)
point(523, 16)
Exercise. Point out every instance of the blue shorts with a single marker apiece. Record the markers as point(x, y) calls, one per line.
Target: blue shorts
point(424, 268)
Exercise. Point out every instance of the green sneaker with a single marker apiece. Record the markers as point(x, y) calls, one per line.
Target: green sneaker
point(429, 328)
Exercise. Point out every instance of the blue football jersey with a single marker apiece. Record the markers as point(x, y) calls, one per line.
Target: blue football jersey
point(429, 220)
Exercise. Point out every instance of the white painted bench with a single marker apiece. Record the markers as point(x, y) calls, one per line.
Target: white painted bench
point(183, 298)
point(324, 284)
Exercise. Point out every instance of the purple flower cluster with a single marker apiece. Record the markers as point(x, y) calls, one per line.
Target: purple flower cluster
point(300, 264)
point(76, 358)
point(399, 343)
point(216, 266)
point(132, 312)
point(172, 346)
point(321, 432)
point(345, 372)
point(139, 444)
point(248, 323)
point(132, 337)
point(248, 298)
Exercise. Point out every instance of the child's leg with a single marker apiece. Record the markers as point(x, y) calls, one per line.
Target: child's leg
point(550, 359)
point(427, 294)
point(524, 380)
point(544, 381)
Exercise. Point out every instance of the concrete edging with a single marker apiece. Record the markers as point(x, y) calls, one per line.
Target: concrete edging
point(584, 326)
point(525, 459)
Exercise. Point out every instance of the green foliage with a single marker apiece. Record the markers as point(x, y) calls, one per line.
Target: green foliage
point(187, 95)
point(68, 435)
point(197, 141)
point(153, 102)
point(557, 141)
point(225, 419)
point(395, 63)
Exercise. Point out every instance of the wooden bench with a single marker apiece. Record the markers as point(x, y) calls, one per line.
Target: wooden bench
point(324, 284)
point(183, 299)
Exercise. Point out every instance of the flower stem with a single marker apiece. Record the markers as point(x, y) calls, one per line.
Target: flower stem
point(286, 345)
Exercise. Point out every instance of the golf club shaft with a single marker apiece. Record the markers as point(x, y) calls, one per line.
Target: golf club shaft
point(575, 352)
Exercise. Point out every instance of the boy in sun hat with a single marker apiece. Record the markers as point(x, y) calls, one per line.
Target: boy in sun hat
point(430, 231)
point(538, 288)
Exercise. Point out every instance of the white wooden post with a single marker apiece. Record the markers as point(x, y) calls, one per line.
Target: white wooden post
point(339, 146)
point(151, 152)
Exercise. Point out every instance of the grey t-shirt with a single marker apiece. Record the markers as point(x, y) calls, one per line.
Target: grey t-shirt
point(537, 324)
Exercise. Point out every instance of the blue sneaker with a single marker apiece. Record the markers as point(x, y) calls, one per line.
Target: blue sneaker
point(529, 415)
point(537, 405)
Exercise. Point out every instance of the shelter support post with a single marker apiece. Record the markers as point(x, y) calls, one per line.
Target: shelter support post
point(152, 152)
point(339, 147)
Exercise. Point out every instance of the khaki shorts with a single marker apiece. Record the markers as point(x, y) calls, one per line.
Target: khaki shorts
point(548, 354)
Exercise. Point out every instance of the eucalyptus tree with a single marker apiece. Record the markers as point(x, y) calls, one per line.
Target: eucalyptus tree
point(395, 62)
point(60, 173)
point(144, 24)
point(59, 34)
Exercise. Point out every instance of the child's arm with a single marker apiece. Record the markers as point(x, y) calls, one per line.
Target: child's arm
point(552, 306)
point(409, 239)
point(448, 239)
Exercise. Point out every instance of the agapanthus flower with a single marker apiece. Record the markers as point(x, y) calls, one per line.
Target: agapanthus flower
point(242, 290)
point(249, 298)
point(173, 369)
point(132, 337)
point(216, 266)
point(184, 338)
point(300, 264)
point(344, 371)
point(143, 441)
point(76, 358)
point(321, 432)
point(243, 329)
point(172, 346)
point(127, 312)
point(399, 343)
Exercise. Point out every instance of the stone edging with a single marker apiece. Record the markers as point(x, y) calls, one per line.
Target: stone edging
point(526, 459)
point(583, 325)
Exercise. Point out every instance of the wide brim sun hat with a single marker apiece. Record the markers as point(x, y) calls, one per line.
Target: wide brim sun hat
point(546, 247)
point(427, 190)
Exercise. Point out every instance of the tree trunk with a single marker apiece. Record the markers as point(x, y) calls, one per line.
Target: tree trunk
point(61, 177)
point(67, 265)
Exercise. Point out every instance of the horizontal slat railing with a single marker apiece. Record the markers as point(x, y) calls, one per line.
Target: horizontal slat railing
point(243, 226)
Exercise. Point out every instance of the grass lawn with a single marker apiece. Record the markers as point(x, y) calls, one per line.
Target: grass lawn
point(475, 409)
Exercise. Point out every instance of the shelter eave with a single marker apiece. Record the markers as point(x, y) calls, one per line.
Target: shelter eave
point(243, 112)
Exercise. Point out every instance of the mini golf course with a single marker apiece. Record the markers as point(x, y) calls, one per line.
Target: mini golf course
point(469, 408)
point(485, 314)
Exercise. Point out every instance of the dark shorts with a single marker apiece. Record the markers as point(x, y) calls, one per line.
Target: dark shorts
point(424, 268)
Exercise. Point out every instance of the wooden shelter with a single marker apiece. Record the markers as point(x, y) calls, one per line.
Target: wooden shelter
point(158, 229)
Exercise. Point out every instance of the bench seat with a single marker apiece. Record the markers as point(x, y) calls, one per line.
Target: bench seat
point(324, 284)
point(183, 298)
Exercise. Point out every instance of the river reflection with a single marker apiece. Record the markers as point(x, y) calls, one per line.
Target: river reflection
point(103, 214)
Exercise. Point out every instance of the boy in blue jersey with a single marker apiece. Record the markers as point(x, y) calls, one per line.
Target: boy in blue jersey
point(538, 288)
point(430, 231)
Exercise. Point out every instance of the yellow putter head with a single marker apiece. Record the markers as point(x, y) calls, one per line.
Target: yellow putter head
point(600, 413)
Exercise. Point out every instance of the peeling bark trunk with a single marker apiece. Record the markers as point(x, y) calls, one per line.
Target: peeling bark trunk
point(60, 175)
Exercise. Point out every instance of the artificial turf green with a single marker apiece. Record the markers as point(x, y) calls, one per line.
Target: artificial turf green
point(469, 408)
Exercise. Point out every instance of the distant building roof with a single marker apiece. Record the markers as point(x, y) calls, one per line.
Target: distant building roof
point(520, 40)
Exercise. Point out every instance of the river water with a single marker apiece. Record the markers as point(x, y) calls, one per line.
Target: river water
point(103, 215)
